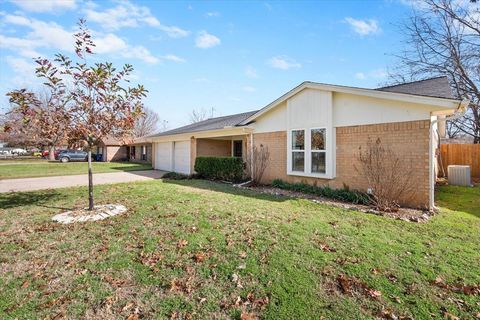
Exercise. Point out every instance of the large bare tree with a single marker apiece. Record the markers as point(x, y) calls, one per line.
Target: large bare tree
point(443, 38)
point(148, 123)
point(198, 115)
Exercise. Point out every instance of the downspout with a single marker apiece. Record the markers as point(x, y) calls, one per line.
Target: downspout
point(251, 156)
point(459, 112)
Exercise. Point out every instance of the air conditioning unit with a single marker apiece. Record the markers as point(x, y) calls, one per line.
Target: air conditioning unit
point(459, 175)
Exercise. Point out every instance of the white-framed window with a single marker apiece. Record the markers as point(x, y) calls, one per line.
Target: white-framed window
point(309, 152)
point(318, 150)
point(298, 150)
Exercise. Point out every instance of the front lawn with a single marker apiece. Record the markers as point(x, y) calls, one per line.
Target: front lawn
point(43, 168)
point(201, 250)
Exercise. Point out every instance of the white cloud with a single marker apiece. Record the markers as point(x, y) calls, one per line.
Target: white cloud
point(172, 57)
point(360, 75)
point(206, 40)
point(24, 71)
point(249, 89)
point(376, 74)
point(128, 15)
point(251, 72)
point(41, 34)
point(114, 45)
point(23, 47)
point(212, 14)
point(363, 27)
point(141, 53)
point(53, 36)
point(174, 32)
point(109, 43)
point(283, 63)
point(45, 5)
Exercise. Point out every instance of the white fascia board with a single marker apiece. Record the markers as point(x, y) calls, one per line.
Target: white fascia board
point(442, 103)
point(229, 131)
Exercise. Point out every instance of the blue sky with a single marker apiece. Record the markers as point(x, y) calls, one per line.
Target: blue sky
point(231, 56)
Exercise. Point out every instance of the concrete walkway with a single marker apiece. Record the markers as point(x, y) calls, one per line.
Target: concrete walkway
point(41, 183)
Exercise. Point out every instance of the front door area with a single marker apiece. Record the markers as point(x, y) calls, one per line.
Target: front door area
point(238, 148)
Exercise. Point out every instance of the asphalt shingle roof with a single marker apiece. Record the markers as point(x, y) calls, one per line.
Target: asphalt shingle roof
point(438, 87)
point(210, 124)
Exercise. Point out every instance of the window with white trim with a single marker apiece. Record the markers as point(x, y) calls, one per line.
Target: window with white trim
point(309, 152)
point(298, 150)
point(318, 150)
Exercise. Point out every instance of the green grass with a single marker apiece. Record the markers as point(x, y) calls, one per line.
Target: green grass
point(273, 247)
point(43, 168)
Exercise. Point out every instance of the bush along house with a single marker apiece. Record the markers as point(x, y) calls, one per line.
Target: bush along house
point(321, 134)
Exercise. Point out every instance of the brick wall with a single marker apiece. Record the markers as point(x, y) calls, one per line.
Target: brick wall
point(214, 148)
point(409, 140)
point(115, 153)
point(138, 153)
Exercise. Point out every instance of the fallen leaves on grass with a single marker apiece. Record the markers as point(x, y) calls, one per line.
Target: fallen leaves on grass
point(389, 314)
point(350, 285)
point(185, 286)
point(248, 316)
point(199, 257)
point(182, 243)
point(326, 248)
point(116, 283)
point(150, 259)
point(458, 288)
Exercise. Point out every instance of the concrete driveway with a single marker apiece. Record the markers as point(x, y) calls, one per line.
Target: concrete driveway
point(41, 183)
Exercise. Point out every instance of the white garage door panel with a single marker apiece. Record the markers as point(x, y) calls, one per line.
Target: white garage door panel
point(163, 156)
point(181, 158)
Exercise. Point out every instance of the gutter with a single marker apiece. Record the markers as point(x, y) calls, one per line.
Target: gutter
point(459, 112)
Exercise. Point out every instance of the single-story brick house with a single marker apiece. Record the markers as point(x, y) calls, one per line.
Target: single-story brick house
point(405, 117)
point(135, 150)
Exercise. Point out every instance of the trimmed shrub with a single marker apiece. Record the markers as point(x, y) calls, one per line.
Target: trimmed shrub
point(344, 194)
point(220, 168)
point(176, 176)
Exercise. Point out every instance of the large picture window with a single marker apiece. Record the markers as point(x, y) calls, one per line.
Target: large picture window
point(318, 150)
point(308, 152)
point(298, 150)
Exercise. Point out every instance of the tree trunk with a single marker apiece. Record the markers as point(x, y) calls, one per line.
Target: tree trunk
point(51, 153)
point(90, 180)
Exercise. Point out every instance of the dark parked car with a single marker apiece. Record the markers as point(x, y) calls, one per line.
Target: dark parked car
point(72, 155)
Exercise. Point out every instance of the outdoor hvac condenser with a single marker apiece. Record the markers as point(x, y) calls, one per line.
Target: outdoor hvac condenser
point(459, 175)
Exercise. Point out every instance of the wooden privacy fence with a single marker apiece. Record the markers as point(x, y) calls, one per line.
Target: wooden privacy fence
point(466, 154)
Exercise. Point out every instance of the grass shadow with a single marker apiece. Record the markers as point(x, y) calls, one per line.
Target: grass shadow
point(135, 166)
point(465, 199)
point(19, 199)
point(227, 188)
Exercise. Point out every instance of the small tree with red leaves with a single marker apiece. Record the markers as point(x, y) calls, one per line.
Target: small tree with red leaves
point(98, 102)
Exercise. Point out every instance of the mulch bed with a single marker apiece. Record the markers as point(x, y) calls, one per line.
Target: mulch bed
point(405, 214)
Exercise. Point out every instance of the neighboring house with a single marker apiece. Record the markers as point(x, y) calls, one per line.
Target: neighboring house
point(139, 150)
point(135, 150)
point(344, 118)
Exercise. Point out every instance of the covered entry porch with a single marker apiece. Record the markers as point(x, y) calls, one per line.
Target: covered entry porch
point(178, 153)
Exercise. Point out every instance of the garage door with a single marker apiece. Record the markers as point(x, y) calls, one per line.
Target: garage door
point(163, 156)
point(181, 157)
